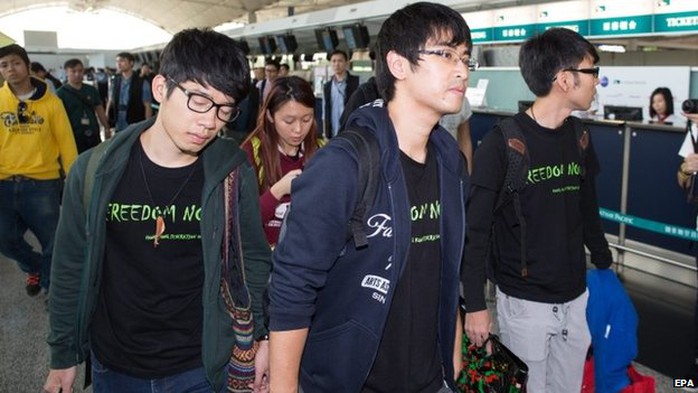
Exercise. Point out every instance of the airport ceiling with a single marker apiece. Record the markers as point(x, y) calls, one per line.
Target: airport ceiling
point(175, 15)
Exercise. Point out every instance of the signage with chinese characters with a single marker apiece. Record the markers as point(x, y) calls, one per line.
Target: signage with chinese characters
point(621, 26)
point(590, 18)
point(514, 24)
point(551, 15)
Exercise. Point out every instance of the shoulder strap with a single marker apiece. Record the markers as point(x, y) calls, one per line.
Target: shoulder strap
point(256, 143)
point(518, 161)
point(368, 156)
point(92, 163)
point(582, 134)
point(233, 278)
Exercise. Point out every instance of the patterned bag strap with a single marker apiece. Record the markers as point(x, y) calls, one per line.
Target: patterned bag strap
point(240, 368)
point(231, 236)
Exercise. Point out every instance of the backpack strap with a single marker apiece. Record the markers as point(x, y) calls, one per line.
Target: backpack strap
point(96, 155)
point(582, 134)
point(518, 161)
point(368, 156)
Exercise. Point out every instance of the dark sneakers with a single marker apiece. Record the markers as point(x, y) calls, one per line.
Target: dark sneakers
point(33, 287)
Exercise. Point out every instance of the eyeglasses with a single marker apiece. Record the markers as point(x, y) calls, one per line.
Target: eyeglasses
point(451, 56)
point(22, 112)
point(199, 103)
point(591, 71)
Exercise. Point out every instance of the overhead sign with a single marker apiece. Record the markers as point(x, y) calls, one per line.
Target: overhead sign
point(558, 15)
point(621, 26)
point(514, 24)
point(590, 18)
point(679, 22)
point(480, 24)
point(620, 17)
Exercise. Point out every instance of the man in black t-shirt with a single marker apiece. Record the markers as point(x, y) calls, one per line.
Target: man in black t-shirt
point(541, 300)
point(149, 257)
point(381, 318)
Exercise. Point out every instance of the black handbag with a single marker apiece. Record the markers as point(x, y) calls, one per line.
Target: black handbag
point(499, 372)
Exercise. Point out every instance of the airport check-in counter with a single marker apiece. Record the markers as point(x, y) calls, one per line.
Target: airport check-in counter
point(642, 206)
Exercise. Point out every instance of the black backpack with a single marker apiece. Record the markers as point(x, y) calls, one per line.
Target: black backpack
point(515, 178)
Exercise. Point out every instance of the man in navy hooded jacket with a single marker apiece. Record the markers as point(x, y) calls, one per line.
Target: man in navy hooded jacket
point(382, 318)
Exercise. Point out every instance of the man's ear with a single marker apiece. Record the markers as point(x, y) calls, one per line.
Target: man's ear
point(398, 65)
point(562, 81)
point(159, 87)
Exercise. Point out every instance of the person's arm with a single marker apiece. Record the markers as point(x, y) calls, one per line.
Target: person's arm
point(304, 257)
point(285, 351)
point(67, 267)
point(688, 167)
point(60, 380)
point(480, 217)
point(487, 180)
point(458, 347)
point(594, 237)
point(465, 143)
point(261, 368)
point(256, 253)
point(147, 99)
point(102, 117)
point(63, 135)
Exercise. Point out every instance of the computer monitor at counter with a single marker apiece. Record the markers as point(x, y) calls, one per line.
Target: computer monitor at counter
point(626, 113)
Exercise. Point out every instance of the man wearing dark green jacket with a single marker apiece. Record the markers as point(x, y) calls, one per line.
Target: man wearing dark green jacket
point(139, 257)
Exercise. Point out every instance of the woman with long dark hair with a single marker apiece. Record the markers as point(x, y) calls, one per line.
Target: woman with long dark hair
point(662, 106)
point(284, 139)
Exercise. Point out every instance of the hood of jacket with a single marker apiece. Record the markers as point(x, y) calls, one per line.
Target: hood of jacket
point(374, 116)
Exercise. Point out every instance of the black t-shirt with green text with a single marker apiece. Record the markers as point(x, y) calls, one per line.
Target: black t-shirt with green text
point(408, 358)
point(149, 316)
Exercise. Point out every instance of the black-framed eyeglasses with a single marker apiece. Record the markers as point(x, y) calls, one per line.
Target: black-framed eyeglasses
point(22, 112)
point(591, 71)
point(451, 56)
point(199, 103)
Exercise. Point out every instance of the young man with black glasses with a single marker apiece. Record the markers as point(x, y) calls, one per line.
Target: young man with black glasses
point(141, 254)
point(540, 271)
point(381, 318)
point(36, 149)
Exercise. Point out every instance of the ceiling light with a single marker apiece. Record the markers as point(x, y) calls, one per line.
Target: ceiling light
point(612, 48)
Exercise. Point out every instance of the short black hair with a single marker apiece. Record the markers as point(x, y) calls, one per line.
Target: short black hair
point(127, 55)
point(273, 62)
point(284, 65)
point(668, 98)
point(407, 30)
point(37, 67)
point(72, 63)
point(14, 49)
point(209, 58)
point(544, 55)
point(338, 52)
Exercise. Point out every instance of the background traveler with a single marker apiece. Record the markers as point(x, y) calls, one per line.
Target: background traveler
point(36, 149)
point(284, 140)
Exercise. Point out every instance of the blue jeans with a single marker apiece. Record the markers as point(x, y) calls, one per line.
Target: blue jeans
point(105, 380)
point(34, 205)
